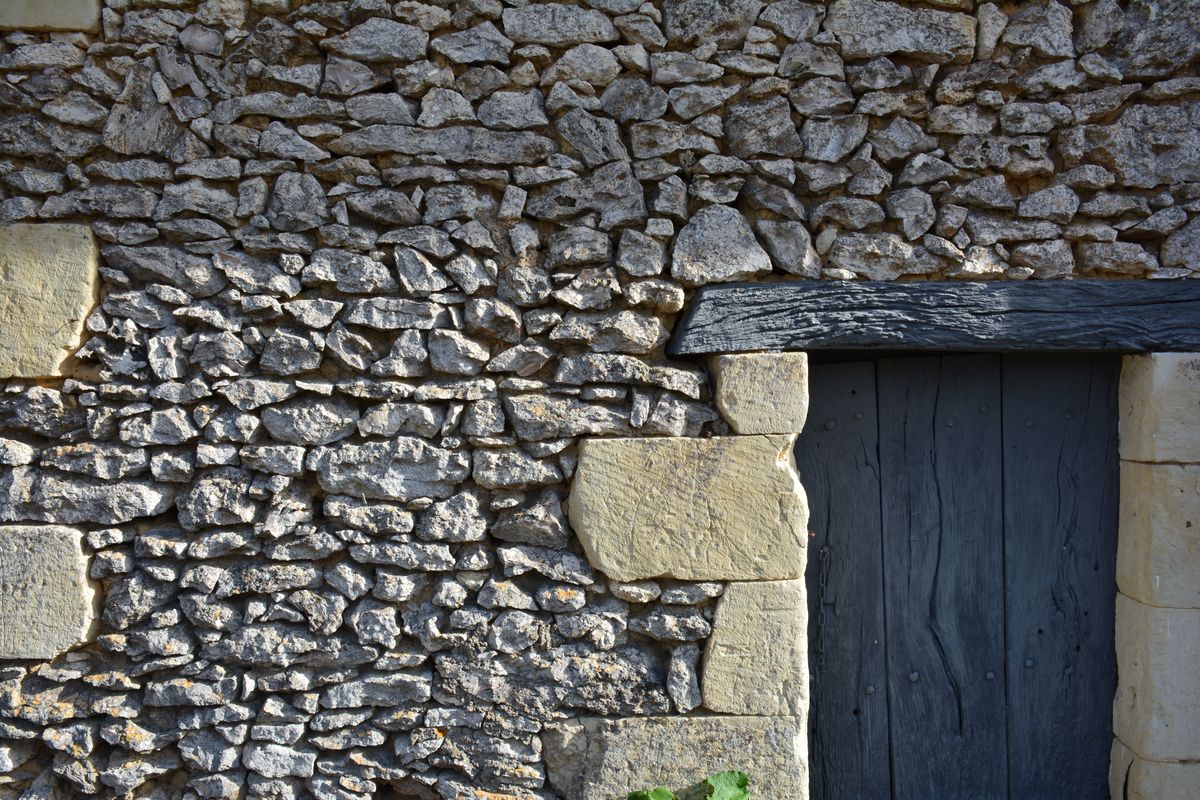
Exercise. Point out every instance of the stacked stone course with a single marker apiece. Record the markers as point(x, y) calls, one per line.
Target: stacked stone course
point(368, 272)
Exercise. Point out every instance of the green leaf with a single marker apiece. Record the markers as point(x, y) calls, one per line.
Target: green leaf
point(661, 793)
point(727, 786)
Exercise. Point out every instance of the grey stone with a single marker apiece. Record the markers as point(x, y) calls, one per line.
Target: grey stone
point(1182, 248)
point(879, 256)
point(833, 139)
point(557, 24)
point(623, 331)
point(632, 98)
point(702, 21)
point(762, 128)
point(790, 247)
point(311, 421)
point(455, 143)
point(379, 39)
point(914, 210)
point(480, 44)
point(595, 139)
point(717, 245)
point(1045, 26)
point(513, 110)
point(870, 28)
point(1148, 145)
point(1156, 38)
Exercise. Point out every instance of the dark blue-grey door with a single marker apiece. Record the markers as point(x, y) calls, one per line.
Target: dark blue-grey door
point(961, 576)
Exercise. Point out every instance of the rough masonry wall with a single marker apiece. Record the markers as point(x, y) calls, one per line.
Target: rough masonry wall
point(369, 272)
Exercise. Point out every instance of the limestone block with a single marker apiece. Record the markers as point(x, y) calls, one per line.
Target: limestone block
point(723, 508)
point(1160, 407)
point(1157, 709)
point(1158, 552)
point(47, 604)
point(756, 660)
point(605, 759)
point(1155, 780)
point(762, 392)
point(50, 284)
point(44, 15)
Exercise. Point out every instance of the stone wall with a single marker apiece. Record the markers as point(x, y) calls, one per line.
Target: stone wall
point(370, 271)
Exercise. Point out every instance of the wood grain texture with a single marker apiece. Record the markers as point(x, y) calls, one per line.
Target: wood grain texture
point(838, 460)
point(940, 455)
point(1035, 316)
point(1060, 533)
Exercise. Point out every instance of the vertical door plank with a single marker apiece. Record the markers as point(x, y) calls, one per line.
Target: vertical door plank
point(838, 462)
point(1060, 512)
point(944, 576)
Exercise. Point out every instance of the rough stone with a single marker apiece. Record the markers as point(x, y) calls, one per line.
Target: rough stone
point(51, 283)
point(557, 24)
point(740, 516)
point(1159, 400)
point(599, 759)
point(47, 603)
point(1157, 708)
point(762, 392)
point(1158, 552)
point(717, 245)
point(756, 660)
point(870, 28)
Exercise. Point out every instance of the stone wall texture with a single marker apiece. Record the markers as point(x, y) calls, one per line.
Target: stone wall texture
point(370, 271)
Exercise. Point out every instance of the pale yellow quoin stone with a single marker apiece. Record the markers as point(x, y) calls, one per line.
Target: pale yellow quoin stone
point(49, 283)
point(1156, 713)
point(605, 759)
point(50, 15)
point(1155, 780)
point(723, 508)
point(762, 392)
point(47, 603)
point(1158, 552)
point(1160, 407)
point(756, 660)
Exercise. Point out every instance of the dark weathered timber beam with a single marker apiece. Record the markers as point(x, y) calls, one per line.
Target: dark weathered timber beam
point(1123, 316)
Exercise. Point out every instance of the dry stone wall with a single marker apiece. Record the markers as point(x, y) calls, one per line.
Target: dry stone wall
point(370, 270)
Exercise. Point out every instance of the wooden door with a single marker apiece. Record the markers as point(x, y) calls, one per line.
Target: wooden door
point(961, 576)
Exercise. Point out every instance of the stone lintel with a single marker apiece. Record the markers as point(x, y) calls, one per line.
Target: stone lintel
point(1158, 552)
point(756, 660)
point(722, 508)
point(50, 15)
point(50, 284)
point(47, 603)
point(762, 392)
point(1160, 407)
point(1156, 713)
point(606, 759)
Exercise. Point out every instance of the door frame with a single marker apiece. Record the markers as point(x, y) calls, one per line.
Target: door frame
point(1156, 326)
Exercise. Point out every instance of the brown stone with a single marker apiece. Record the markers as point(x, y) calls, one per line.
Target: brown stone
point(44, 15)
point(47, 603)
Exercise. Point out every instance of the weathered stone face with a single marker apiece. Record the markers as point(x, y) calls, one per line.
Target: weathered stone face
point(38, 15)
point(1158, 556)
point(725, 508)
point(1157, 708)
point(599, 759)
point(762, 392)
point(756, 660)
point(1160, 401)
point(50, 284)
point(47, 603)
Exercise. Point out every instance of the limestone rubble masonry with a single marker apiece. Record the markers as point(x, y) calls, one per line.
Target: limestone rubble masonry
point(722, 508)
